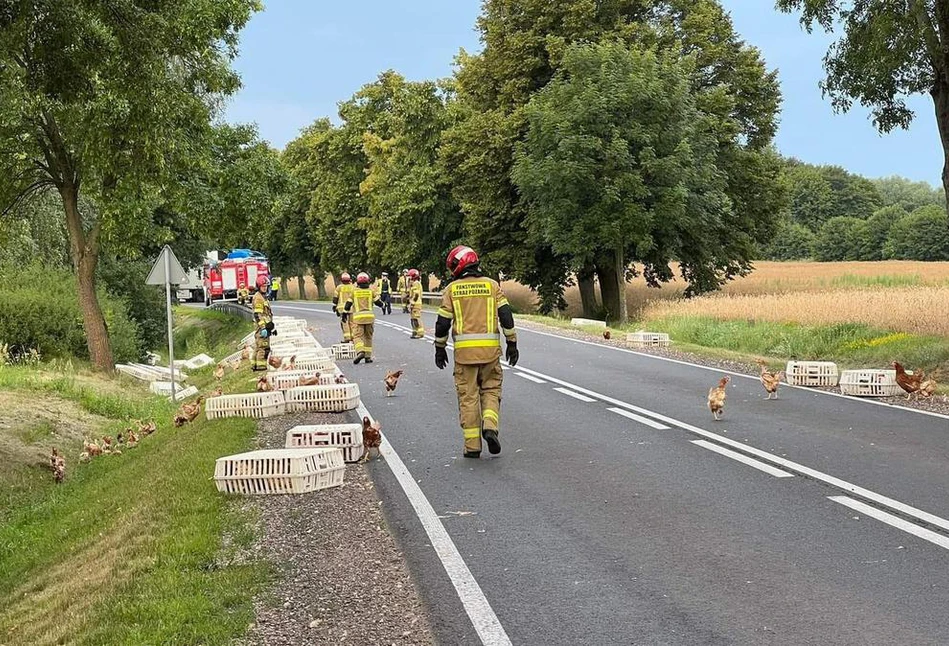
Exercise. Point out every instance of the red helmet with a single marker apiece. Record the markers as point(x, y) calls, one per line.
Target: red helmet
point(346, 278)
point(362, 278)
point(413, 274)
point(262, 281)
point(460, 258)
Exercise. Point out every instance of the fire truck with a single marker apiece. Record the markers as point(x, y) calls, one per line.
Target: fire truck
point(223, 277)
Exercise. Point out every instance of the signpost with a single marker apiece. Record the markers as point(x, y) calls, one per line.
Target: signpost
point(168, 271)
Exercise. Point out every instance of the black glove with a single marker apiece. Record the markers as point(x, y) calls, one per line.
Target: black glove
point(512, 355)
point(441, 357)
point(270, 326)
point(336, 312)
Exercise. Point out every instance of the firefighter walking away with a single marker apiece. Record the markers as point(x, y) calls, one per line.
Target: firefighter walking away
point(263, 318)
point(403, 288)
point(363, 318)
point(472, 308)
point(343, 291)
point(415, 304)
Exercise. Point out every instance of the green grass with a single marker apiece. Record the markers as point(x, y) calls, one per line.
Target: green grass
point(852, 281)
point(130, 549)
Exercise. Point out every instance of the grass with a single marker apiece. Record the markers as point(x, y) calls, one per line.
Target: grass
point(130, 549)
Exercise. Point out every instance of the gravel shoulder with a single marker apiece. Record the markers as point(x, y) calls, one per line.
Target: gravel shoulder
point(340, 575)
point(740, 364)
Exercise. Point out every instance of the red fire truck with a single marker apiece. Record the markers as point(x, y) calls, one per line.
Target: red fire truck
point(223, 277)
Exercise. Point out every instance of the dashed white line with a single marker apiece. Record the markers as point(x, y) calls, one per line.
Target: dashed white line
point(570, 393)
point(639, 418)
point(529, 377)
point(741, 457)
point(894, 521)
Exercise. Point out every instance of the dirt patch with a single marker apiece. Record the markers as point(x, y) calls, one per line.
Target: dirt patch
point(342, 578)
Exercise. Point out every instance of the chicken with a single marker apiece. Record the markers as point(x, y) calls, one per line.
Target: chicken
point(716, 398)
point(311, 380)
point(92, 449)
point(235, 364)
point(147, 428)
point(391, 381)
point(927, 388)
point(770, 380)
point(188, 412)
point(131, 440)
point(263, 385)
point(245, 353)
point(275, 361)
point(219, 372)
point(58, 464)
point(371, 438)
point(217, 392)
point(341, 379)
point(607, 334)
point(291, 364)
point(910, 383)
point(107, 441)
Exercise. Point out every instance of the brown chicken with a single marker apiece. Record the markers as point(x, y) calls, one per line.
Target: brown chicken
point(910, 383)
point(92, 449)
point(107, 441)
point(291, 364)
point(217, 392)
point(263, 385)
point(58, 464)
point(927, 388)
point(391, 381)
point(219, 372)
point(245, 353)
point(188, 412)
point(311, 380)
point(275, 361)
point(371, 438)
point(607, 334)
point(717, 397)
point(131, 439)
point(147, 428)
point(235, 364)
point(341, 379)
point(770, 380)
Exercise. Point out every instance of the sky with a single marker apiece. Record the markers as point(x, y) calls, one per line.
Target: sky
point(299, 58)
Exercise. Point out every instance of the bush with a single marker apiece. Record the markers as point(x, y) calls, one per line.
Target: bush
point(839, 239)
point(39, 308)
point(875, 231)
point(921, 235)
point(792, 241)
point(145, 304)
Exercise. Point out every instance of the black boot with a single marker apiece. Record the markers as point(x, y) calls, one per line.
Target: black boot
point(359, 357)
point(472, 454)
point(491, 437)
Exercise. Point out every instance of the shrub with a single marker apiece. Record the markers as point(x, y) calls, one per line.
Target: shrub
point(922, 235)
point(145, 304)
point(839, 239)
point(792, 241)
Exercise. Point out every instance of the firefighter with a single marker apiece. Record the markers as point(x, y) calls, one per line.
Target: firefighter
point(404, 290)
point(343, 291)
point(243, 295)
point(263, 318)
point(274, 288)
point(359, 306)
point(384, 292)
point(472, 307)
point(415, 304)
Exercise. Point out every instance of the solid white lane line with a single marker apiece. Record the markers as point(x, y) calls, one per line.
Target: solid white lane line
point(529, 377)
point(637, 418)
point(894, 521)
point(741, 457)
point(570, 393)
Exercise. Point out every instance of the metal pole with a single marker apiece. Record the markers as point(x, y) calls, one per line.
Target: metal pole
point(171, 338)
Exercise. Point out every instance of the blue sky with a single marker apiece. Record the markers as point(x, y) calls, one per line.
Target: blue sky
point(300, 57)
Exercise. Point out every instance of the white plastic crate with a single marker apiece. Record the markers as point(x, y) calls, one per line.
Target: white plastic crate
point(286, 379)
point(184, 393)
point(343, 351)
point(199, 361)
point(280, 471)
point(334, 398)
point(346, 437)
point(587, 322)
point(255, 405)
point(315, 364)
point(812, 373)
point(870, 383)
point(648, 339)
point(164, 387)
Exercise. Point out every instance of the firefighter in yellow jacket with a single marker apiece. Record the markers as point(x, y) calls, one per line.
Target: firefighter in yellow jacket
point(243, 294)
point(403, 288)
point(359, 307)
point(343, 291)
point(415, 304)
point(472, 308)
point(263, 318)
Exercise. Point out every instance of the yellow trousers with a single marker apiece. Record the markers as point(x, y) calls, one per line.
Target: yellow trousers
point(346, 326)
point(479, 399)
point(362, 338)
point(261, 351)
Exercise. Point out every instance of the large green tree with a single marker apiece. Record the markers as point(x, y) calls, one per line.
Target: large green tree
point(105, 99)
point(907, 194)
point(921, 235)
point(887, 52)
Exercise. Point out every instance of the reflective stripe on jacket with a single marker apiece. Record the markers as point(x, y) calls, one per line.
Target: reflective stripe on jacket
point(362, 300)
point(262, 312)
point(471, 304)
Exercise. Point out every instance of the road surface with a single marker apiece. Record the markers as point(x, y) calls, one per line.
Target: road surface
point(619, 512)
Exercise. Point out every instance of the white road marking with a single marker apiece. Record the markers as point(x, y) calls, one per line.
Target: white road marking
point(741, 457)
point(480, 612)
point(529, 377)
point(637, 418)
point(895, 521)
point(570, 393)
point(799, 469)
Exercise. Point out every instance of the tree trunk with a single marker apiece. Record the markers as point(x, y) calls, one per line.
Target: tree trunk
point(426, 282)
point(301, 287)
point(285, 289)
point(940, 94)
point(612, 274)
point(319, 277)
point(85, 257)
point(587, 290)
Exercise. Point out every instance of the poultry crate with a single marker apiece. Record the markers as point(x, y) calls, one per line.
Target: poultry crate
point(343, 351)
point(313, 364)
point(587, 322)
point(648, 339)
point(869, 383)
point(255, 405)
point(286, 379)
point(335, 398)
point(346, 437)
point(280, 471)
point(184, 393)
point(164, 387)
point(812, 373)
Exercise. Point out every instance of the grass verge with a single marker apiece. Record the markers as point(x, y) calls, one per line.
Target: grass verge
point(137, 548)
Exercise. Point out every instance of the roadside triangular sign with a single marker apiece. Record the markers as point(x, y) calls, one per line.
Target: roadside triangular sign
point(176, 273)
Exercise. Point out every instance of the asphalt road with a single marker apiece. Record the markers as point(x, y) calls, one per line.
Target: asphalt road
point(612, 516)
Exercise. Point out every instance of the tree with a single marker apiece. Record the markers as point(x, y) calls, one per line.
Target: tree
point(106, 100)
point(812, 198)
point(876, 230)
point(619, 165)
point(854, 196)
point(888, 52)
point(907, 194)
point(791, 241)
point(839, 239)
point(921, 235)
